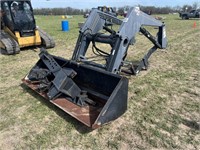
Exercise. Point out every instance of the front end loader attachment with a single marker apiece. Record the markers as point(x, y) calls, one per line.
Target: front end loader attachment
point(89, 94)
point(90, 90)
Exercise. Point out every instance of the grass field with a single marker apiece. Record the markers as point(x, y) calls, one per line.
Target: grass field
point(163, 106)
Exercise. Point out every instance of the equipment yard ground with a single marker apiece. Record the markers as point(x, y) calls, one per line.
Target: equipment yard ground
point(163, 105)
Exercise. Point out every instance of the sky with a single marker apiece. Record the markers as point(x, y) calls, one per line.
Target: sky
point(83, 4)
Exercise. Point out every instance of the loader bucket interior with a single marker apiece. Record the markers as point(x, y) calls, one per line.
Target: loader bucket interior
point(106, 92)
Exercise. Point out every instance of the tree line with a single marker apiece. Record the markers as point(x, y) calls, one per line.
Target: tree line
point(120, 10)
point(58, 11)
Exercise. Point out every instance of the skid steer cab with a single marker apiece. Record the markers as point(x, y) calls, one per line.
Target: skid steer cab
point(18, 27)
point(93, 92)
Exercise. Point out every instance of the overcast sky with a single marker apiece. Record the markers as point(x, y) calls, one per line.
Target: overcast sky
point(82, 4)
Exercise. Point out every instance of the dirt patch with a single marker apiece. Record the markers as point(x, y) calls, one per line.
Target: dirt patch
point(11, 138)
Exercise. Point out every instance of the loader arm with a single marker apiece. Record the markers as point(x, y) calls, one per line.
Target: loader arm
point(119, 40)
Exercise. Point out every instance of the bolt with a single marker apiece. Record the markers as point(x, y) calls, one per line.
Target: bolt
point(99, 123)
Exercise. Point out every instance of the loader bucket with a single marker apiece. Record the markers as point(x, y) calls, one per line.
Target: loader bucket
point(105, 93)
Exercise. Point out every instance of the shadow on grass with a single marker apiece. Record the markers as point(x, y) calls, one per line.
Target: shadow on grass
point(191, 124)
point(30, 48)
point(187, 19)
point(81, 128)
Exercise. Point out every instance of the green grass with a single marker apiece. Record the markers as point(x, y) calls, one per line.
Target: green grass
point(163, 106)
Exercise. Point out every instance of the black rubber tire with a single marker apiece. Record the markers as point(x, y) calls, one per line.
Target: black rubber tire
point(184, 17)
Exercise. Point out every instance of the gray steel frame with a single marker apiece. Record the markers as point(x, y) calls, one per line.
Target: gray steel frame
point(121, 39)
